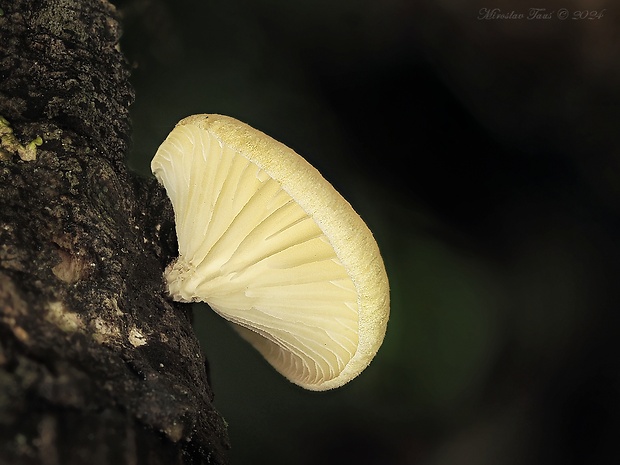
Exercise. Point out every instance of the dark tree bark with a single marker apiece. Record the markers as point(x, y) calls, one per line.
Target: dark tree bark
point(97, 366)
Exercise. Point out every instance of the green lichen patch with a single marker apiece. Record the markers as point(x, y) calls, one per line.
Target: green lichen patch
point(10, 145)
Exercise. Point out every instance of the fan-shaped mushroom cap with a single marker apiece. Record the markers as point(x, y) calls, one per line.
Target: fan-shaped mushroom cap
point(271, 246)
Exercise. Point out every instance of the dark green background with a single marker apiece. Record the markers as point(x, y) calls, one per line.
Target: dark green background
point(483, 154)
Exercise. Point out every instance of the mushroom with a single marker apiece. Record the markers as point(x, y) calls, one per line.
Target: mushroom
point(273, 248)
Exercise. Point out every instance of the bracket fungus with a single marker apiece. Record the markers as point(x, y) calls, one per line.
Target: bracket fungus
point(271, 246)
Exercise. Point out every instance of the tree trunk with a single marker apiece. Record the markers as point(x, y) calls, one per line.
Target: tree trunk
point(97, 366)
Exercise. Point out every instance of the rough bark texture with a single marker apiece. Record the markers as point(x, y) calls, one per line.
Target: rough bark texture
point(96, 365)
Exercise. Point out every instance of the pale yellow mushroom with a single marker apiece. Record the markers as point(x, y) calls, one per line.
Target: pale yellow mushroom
point(271, 246)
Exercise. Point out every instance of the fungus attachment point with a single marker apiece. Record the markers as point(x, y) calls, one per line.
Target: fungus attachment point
point(271, 246)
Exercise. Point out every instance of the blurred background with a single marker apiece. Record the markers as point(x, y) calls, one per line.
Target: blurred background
point(481, 147)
